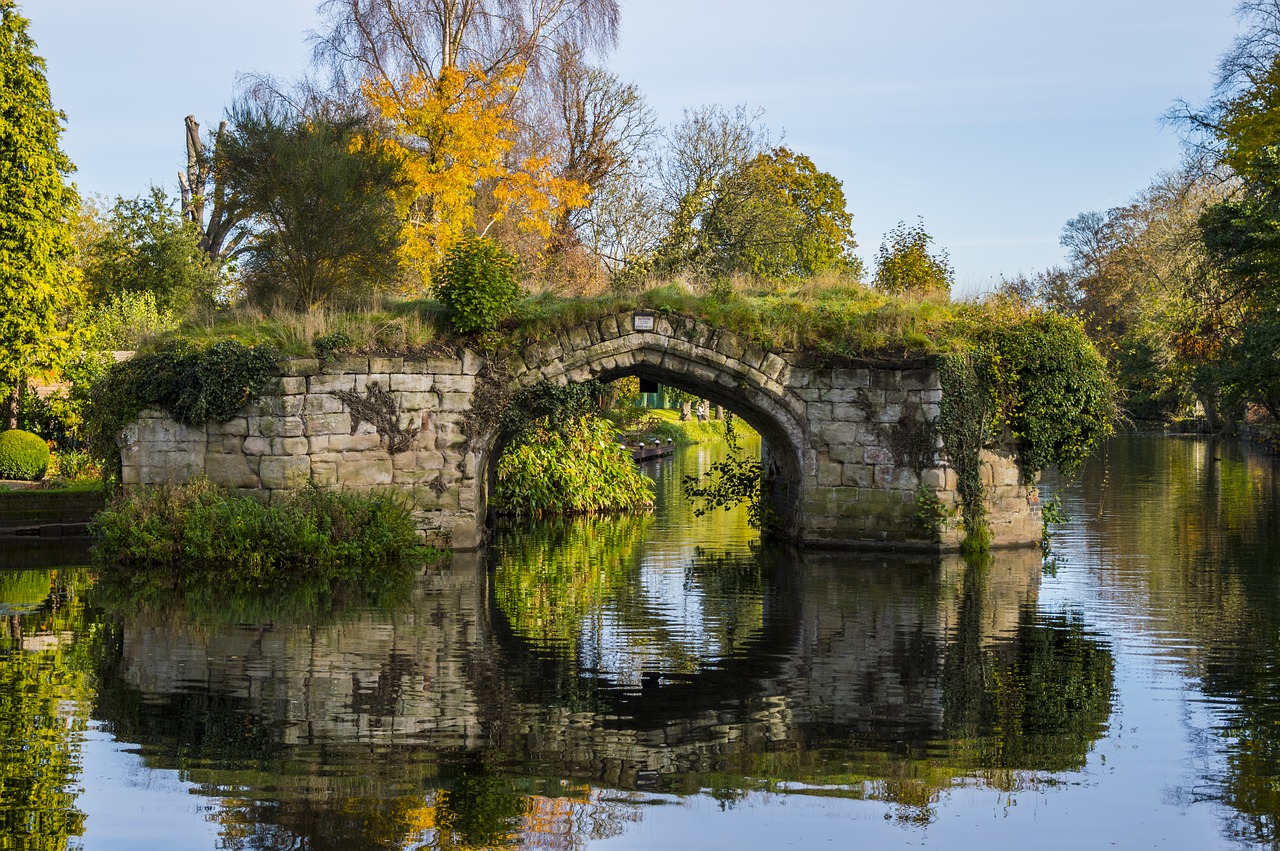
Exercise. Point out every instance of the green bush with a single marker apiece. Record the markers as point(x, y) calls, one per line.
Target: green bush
point(479, 283)
point(199, 535)
point(579, 468)
point(23, 455)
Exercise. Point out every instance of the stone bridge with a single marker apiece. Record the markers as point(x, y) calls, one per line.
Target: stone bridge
point(837, 436)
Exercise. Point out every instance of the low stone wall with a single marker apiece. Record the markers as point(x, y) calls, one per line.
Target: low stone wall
point(843, 444)
point(310, 434)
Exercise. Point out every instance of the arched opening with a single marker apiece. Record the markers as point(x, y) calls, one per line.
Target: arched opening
point(738, 386)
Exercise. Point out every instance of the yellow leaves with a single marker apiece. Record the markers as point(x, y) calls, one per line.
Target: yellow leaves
point(457, 138)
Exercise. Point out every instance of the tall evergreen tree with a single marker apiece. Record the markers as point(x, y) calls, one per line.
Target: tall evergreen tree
point(37, 212)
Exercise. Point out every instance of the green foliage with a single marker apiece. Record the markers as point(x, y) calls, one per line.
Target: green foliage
point(479, 283)
point(779, 217)
point(37, 210)
point(964, 422)
point(574, 466)
point(729, 483)
point(146, 247)
point(23, 455)
point(328, 344)
point(181, 537)
point(320, 192)
point(1051, 389)
point(904, 263)
point(191, 385)
point(1033, 379)
point(127, 318)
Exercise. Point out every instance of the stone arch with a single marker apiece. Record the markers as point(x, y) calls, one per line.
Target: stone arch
point(682, 352)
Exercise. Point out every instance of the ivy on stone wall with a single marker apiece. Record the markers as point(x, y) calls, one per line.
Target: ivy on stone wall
point(192, 385)
point(1038, 384)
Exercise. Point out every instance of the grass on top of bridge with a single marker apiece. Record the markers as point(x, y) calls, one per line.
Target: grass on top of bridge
point(832, 317)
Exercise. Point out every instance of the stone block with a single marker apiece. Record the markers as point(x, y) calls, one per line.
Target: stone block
point(829, 472)
point(381, 380)
point(298, 367)
point(291, 406)
point(322, 403)
point(324, 473)
point(935, 478)
point(444, 366)
point(411, 383)
point(361, 441)
point(293, 386)
point(877, 455)
point(365, 473)
point(350, 364)
point(730, 345)
point(230, 469)
point(292, 446)
point(285, 473)
point(331, 383)
point(849, 413)
point(386, 365)
point(455, 401)
point(857, 475)
point(472, 363)
point(849, 379)
point(317, 443)
point(227, 443)
point(918, 379)
point(233, 426)
point(888, 413)
point(318, 424)
point(455, 383)
point(257, 445)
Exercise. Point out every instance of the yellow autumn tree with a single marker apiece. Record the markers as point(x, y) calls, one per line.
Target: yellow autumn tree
point(456, 137)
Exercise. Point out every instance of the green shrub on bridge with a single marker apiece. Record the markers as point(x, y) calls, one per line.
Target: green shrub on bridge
point(23, 455)
point(479, 284)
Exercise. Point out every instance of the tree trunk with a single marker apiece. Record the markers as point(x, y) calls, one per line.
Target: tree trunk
point(11, 406)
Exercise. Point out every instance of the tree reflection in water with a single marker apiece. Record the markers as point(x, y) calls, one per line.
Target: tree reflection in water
point(546, 700)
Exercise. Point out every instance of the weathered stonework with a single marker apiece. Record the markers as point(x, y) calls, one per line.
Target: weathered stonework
point(839, 474)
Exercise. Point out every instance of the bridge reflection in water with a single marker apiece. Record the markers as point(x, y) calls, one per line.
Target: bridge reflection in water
point(553, 692)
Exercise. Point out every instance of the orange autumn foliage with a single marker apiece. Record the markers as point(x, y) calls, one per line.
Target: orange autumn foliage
point(455, 135)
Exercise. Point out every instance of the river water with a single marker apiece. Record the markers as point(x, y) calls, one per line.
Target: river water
point(662, 681)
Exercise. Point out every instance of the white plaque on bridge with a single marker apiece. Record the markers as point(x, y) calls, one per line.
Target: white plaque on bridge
point(643, 322)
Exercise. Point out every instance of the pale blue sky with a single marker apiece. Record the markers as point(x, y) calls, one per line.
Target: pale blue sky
point(995, 120)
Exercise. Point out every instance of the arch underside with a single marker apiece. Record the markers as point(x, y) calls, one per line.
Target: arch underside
point(736, 385)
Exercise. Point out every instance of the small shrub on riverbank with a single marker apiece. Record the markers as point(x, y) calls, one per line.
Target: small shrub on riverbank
point(23, 455)
point(577, 468)
point(198, 534)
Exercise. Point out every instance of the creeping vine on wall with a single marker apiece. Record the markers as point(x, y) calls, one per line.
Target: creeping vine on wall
point(378, 408)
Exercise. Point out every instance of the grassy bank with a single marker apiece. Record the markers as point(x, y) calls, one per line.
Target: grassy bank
point(181, 537)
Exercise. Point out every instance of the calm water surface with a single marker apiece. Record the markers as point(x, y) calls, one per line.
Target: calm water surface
point(659, 680)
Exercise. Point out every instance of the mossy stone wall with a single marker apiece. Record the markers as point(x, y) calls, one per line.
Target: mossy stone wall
point(844, 469)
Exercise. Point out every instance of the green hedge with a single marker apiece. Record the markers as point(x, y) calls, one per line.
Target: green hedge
point(23, 455)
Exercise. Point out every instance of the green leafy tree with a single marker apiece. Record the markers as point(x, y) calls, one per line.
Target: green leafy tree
point(319, 192)
point(146, 246)
point(906, 265)
point(779, 216)
point(37, 214)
